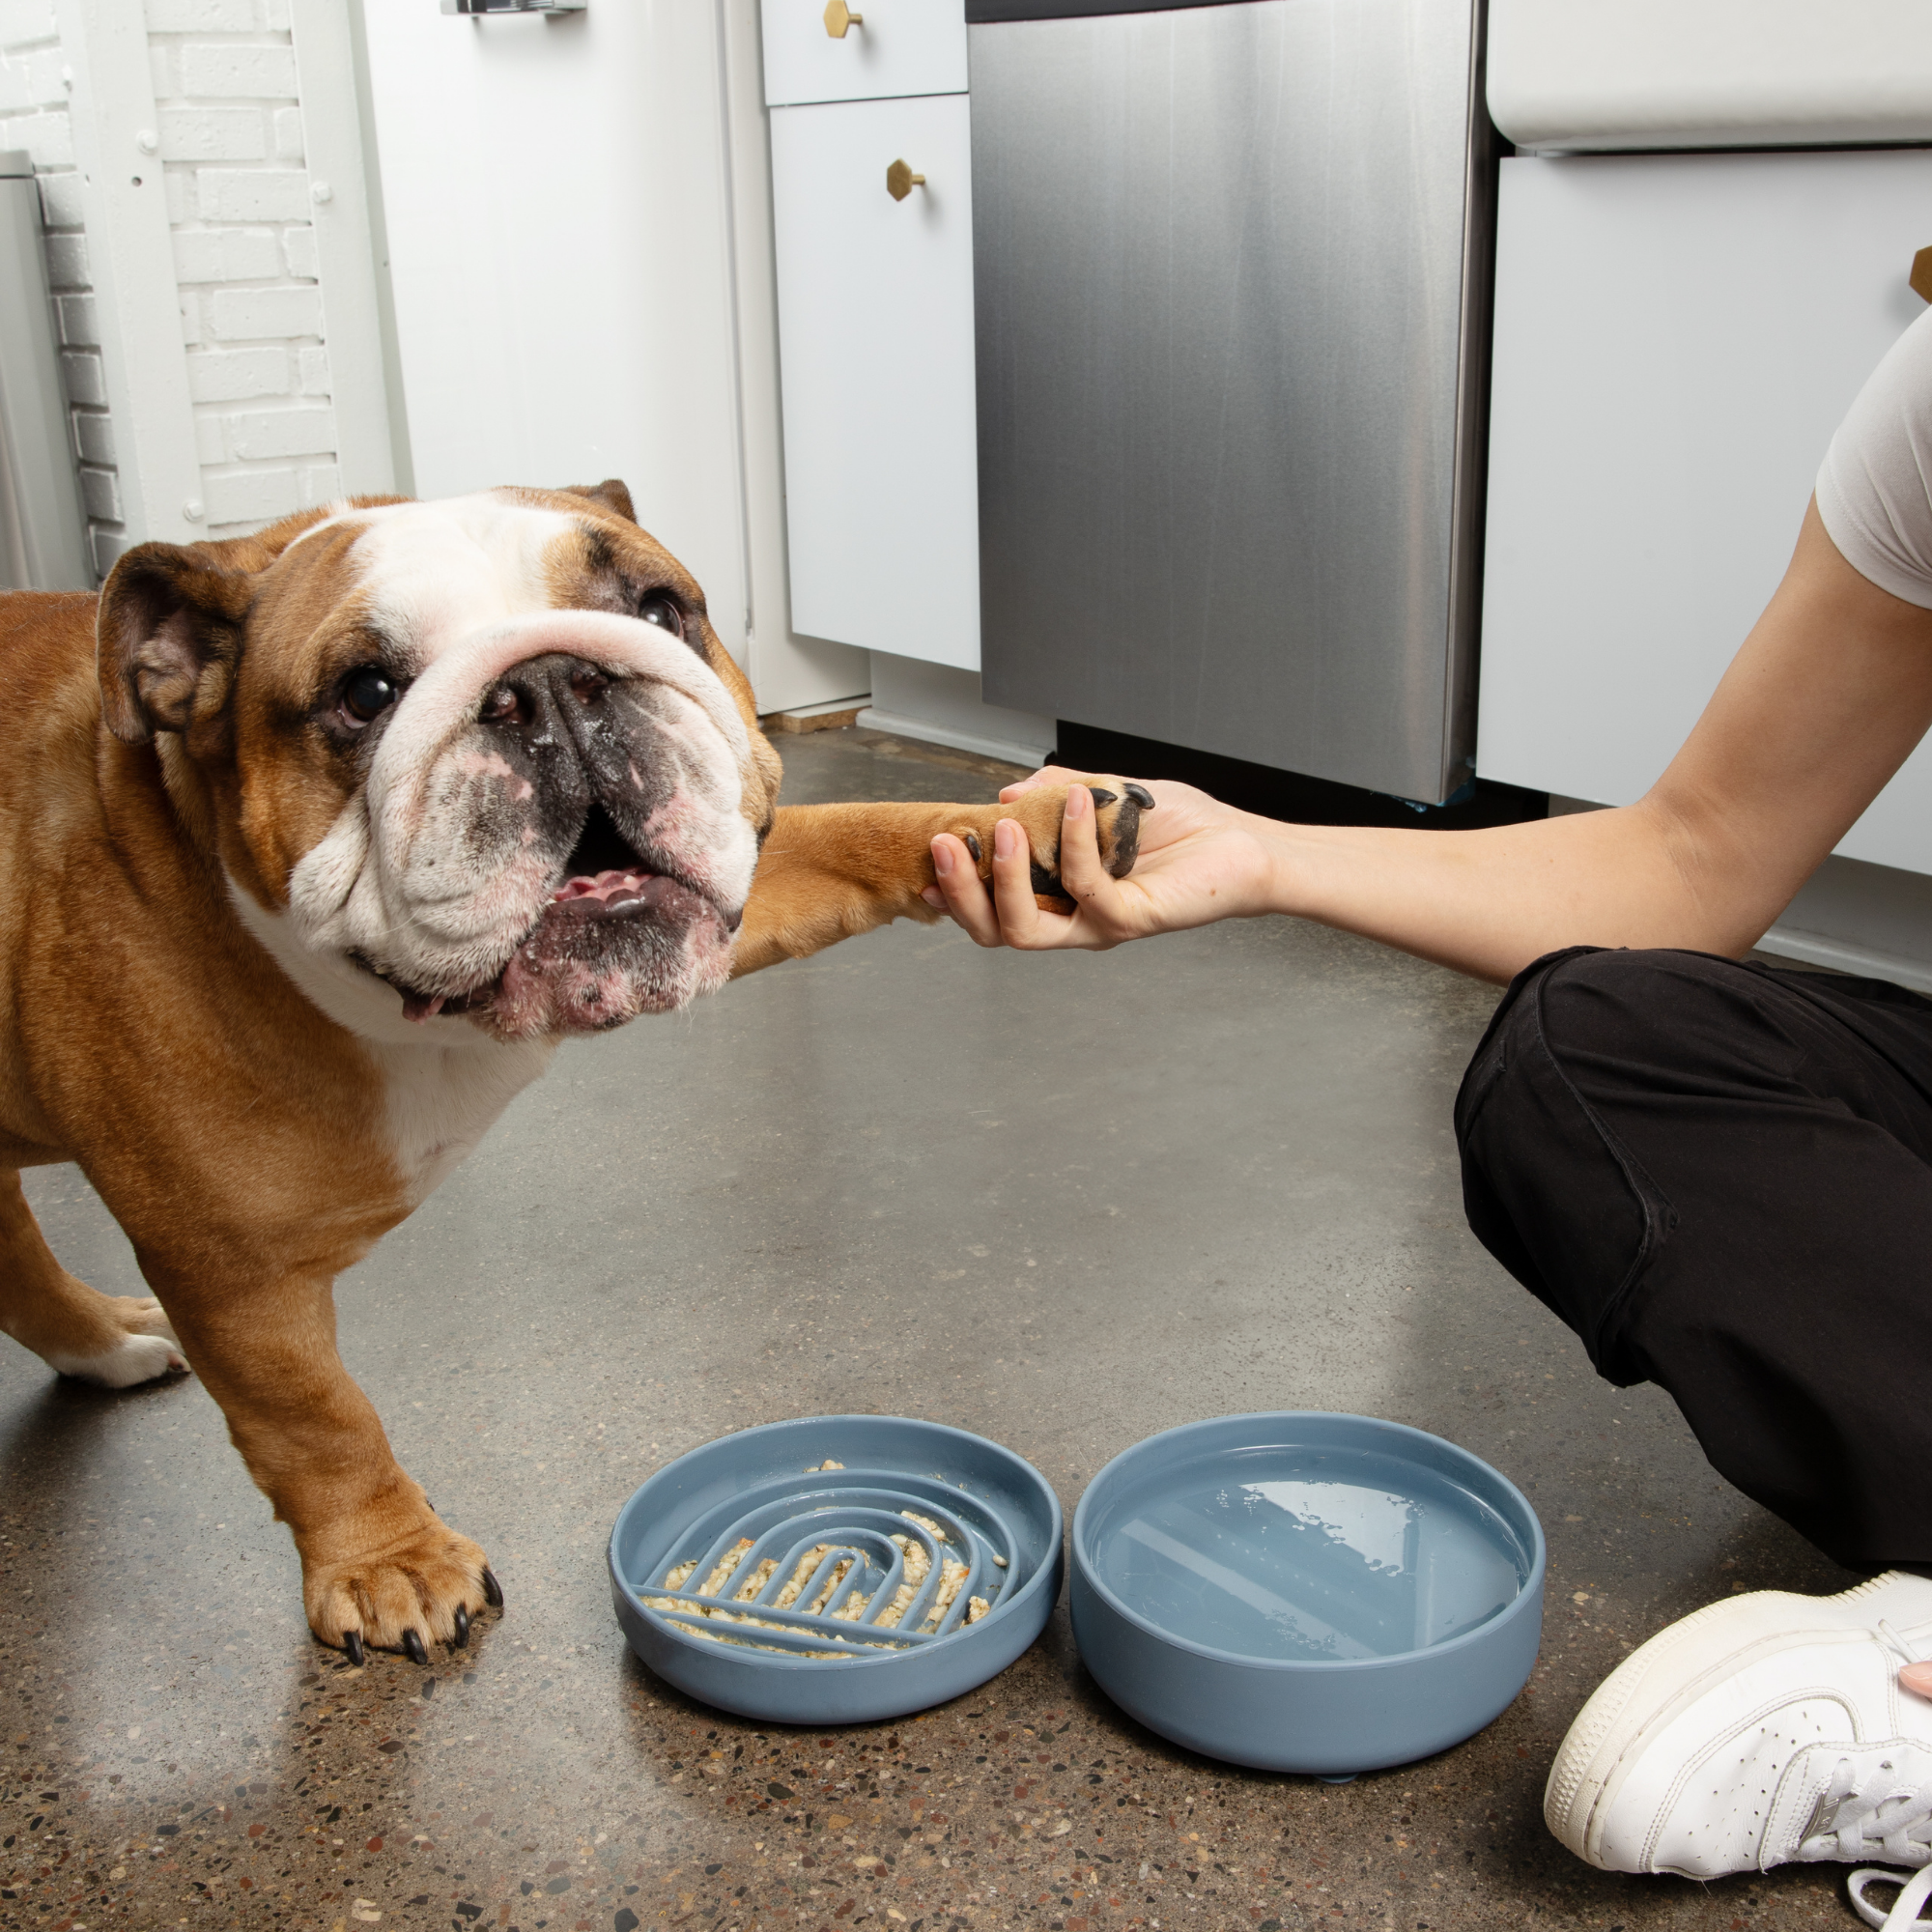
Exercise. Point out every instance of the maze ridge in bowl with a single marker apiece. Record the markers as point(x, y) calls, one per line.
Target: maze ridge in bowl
point(921, 1562)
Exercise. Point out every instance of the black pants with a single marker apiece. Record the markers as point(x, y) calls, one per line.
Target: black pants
point(1720, 1176)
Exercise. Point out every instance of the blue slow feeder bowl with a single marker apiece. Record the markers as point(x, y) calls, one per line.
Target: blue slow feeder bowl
point(779, 1546)
point(1307, 1592)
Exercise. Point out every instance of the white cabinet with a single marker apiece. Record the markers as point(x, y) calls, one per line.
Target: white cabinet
point(875, 327)
point(1710, 74)
point(897, 47)
point(1676, 339)
point(549, 335)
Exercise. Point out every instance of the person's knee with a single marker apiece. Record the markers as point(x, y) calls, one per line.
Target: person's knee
point(1623, 1009)
point(1546, 1187)
point(1583, 1031)
point(1612, 1007)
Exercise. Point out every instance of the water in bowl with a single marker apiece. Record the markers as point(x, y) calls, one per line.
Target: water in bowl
point(1304, 1554)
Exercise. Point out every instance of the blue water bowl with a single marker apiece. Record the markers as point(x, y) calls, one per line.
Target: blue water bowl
point(1307, 1592)
point(837, 1570)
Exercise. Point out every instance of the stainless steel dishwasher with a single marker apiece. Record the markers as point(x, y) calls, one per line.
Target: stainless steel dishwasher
point(1232, 274)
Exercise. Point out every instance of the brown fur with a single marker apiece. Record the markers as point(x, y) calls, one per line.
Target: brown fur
point(236, 1133)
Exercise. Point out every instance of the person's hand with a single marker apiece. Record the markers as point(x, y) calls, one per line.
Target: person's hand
point(1198, 861)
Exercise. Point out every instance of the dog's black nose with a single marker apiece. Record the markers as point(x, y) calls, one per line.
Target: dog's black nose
point(530, 697)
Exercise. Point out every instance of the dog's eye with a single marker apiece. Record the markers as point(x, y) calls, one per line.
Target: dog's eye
point(661, 611)
point(367, 691)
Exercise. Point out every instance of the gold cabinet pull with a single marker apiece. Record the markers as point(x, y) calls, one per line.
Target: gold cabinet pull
point(900, 181)
point(1919, 281)
point(839, 17)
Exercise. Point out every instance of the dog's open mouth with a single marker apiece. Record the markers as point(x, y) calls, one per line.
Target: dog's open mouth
point(603, 869)
point(612, 914)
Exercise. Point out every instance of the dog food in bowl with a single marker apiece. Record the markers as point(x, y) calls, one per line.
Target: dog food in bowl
point(837, 1570)
point(816, 1587)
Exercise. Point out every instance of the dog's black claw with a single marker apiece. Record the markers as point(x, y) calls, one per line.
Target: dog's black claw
point(1140, 795)
point(973, 845)
point(1103, 796)
point(462, 1626)
point(413, 1648)
point(491, 1589)
point(352, 1642)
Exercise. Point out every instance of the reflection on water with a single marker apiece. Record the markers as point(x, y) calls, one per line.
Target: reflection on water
point(1301, 1555)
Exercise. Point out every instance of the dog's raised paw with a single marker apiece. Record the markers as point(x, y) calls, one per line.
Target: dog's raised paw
point(418, 1590)
point(1118, 805)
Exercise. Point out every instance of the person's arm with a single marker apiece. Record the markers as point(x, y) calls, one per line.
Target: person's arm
point(1829, 693)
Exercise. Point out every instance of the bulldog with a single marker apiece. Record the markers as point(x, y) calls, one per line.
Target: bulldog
point(316, 843)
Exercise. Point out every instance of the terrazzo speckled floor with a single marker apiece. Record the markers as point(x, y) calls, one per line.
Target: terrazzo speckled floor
point(1064, 1202)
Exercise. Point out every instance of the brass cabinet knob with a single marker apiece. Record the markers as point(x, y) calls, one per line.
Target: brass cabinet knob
point(1921, 278)
point(839, 17)
point(900, 181)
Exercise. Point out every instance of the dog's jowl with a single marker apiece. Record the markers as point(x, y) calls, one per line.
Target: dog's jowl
point(315, 844)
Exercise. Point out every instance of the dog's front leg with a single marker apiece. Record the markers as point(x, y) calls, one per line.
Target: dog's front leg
point(379, 1566)
point(830, 871)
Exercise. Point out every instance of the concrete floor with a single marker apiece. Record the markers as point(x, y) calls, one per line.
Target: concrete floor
point(1066, 1202)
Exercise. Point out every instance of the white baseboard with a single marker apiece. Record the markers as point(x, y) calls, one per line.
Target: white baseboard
point(857, 701)
point(924, 728)
point(1868, 962)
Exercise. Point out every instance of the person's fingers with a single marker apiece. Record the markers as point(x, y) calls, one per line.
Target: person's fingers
point(1918, 1678)
point(1012, 883)
point(1082, 875)
point(960, 892)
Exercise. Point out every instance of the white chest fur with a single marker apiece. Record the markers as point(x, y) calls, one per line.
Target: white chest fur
point(444, 1097)
point(443, 1082)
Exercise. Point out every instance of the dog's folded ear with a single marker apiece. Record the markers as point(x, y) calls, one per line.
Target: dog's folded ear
point(169, 637)
point(610, 493)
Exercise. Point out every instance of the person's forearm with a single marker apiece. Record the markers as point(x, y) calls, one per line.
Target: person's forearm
point(1488, 902)
point(1830, 692)
point(1822, 705)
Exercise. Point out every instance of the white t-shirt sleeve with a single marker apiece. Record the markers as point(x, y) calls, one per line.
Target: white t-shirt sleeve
point(1875, 489)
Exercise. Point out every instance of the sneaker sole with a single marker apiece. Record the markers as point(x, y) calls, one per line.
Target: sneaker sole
point(1646, 1690)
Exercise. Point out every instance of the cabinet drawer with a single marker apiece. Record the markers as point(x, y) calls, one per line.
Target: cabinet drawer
point(1710, 74)
point(1676, 339)
point(902, 47)
point(875, 332)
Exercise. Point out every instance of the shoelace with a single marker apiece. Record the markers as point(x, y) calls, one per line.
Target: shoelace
point(1897, 1644)
point(1913, 1890)
point(1850, 1826)
point(1872, 1820)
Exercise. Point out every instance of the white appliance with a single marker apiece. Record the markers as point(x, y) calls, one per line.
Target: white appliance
point(1710, 74)
point(1676, 338)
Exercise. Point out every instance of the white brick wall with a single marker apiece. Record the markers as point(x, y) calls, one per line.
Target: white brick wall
point(231, 144)
point(244, 252)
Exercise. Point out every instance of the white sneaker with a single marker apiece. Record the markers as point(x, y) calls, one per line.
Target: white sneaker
point(1763, 1729)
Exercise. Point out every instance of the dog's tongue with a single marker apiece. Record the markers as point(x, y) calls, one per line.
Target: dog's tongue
point(422, 1006)
point(613, 888)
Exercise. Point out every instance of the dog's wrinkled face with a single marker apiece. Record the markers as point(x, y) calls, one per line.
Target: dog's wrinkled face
point(487, 749)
